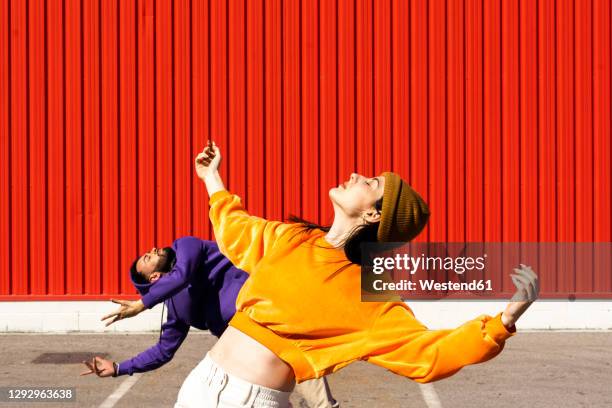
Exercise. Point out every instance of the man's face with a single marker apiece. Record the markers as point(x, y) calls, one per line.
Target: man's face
point(156, 260)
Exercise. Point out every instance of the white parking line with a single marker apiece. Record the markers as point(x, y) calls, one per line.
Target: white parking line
point(123, 388)
point(430, 395)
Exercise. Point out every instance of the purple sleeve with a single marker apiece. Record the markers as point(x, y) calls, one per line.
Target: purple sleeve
point(189, 251)
point(174, 332)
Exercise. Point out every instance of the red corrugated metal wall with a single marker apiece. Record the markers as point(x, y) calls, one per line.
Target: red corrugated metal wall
point(497, 112)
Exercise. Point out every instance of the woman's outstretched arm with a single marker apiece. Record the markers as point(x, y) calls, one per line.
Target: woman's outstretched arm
point(243, 238)
point(400, 343)
point(207, 167)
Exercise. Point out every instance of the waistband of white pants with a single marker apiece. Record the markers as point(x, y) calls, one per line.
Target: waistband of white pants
point(209, 367)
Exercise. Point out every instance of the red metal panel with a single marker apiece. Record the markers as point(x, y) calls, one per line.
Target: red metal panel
point(75, 243)
point(164, 119)
point(347, 84)
point(566, 173)
point(255, 106)
point(145, 129)
point(364, 88)
point(601, 140)
point(382, 76)
point(219, 81)
point(510, 121)
point(437, 115)
point(309, 109)
point(400, 26)
point(528, 104)
point(5, 165)
point(110, 133)
point(583, 136)
point(528, 128)
point(183, 154)
point(291, 114)
point(200, 94)
point(19, 134)
point(37, 120)
point(496, 112)
point(492, 129)
point(474, 141)
point(236, 128)
point(455, 84)
point(547, 127)
point(92, 159)
point(56, 161)
point(273, 113)
point(128, 187)
point(328, 87)
point(419, 105)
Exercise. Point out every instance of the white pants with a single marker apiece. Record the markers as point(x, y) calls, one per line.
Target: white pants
point(209, 386)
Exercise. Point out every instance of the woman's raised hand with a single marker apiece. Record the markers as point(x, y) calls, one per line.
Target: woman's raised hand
point(208, 160)
point(527, 291)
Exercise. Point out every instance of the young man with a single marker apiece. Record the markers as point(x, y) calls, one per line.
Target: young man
point(203, 285)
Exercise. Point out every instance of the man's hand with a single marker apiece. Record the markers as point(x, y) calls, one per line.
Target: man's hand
point(129, 308)
point(207, 162)
point(528, 289)
point(99, 367)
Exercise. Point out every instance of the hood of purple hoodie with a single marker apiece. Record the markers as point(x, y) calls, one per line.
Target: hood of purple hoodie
point(138, 282)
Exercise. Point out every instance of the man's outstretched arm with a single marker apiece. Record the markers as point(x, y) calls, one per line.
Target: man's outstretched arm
point(174, 333)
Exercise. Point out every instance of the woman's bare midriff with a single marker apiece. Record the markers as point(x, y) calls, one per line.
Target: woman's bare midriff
point(241, 355)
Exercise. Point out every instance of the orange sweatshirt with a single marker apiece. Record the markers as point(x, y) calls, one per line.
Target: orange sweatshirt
point(300, 304)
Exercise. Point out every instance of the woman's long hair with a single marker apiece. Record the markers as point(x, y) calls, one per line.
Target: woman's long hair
point(352, 243)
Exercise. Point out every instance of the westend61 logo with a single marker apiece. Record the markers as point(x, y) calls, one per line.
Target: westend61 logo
point(394, 271)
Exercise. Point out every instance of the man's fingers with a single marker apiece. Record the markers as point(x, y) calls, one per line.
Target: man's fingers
point(121, 302)
point(95, 364)
point(89, 367)
point(113, 321)
point(108, 316)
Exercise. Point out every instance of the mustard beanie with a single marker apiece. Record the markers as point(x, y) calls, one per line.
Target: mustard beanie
point(404, 213)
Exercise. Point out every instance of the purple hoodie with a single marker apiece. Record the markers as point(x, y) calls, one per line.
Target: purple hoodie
point(199, 291)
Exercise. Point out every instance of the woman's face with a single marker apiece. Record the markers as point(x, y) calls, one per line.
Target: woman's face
point(358, 195)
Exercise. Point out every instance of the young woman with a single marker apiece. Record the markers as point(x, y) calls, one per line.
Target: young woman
point(300, 315)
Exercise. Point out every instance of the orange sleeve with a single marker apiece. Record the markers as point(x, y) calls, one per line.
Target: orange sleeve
point(399, 342)
point(244, 239)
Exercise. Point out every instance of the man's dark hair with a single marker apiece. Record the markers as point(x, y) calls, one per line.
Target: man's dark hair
point(166, 267)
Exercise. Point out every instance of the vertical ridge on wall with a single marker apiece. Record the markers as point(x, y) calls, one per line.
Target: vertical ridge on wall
point(547, 144)
point(419, 106)
point(565, 140)
point(56, 160)
point(200, 100)
point(37, 146)
point(328, 107)
point(346, 77)
point(498, 113)
point(5, 147)
point(183, 154)
point(128, 144)
point(601, 136)
point(291, 119)
point(19, 136)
